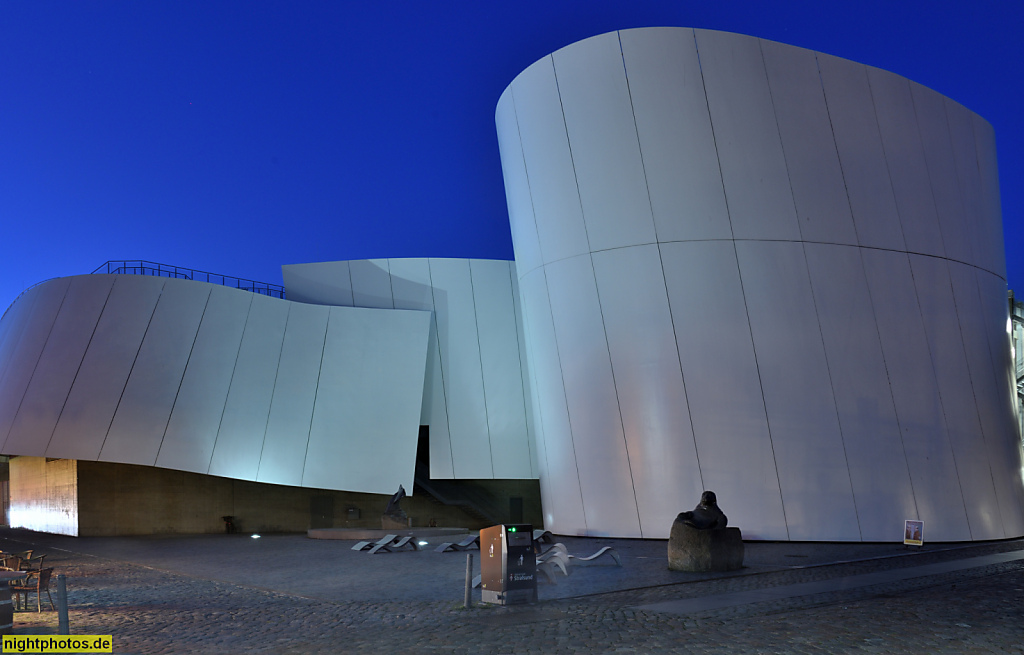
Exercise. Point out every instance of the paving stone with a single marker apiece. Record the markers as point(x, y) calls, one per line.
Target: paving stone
point(221, 595)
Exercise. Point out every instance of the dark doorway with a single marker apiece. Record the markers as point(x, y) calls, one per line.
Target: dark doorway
point(321, 512)
point(515, 509)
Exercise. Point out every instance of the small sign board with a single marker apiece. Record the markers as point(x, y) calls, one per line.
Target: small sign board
point(913, 533)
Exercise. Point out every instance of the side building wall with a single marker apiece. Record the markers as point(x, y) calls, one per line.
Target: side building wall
point(765, 271)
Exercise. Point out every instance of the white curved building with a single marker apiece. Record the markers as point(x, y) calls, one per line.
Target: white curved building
point(766, 271)
point(740, 266)
point(326, 391)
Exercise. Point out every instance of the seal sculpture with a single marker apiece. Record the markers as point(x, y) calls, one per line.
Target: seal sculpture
point(700, 540)
point(707, 515)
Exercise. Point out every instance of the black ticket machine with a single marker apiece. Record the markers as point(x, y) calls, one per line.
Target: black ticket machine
point(508, 565)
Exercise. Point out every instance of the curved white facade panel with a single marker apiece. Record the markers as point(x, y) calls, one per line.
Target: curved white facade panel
point(753, 268)
point(475, 391)
point(198, 377)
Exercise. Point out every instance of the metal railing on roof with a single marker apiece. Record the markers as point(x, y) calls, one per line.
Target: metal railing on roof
point(141, 267)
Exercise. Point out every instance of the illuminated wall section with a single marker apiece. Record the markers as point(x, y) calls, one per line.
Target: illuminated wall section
point(475, 392)
point(765, 271)
point(44, 495)
point(202, 378)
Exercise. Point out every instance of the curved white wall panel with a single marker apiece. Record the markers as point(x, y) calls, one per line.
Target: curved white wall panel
point(461, 368)
point(412, 290)
point(723, 383)
point(937, 487)
point(747, 137)
point(85, 418)
point(992, 221)
point(861, 155)
point(43, 303)
point(764, 271)
point(965, 156)
point(603, 143)
point(199, 405)
point(529, 400)
point(873, 444)
point(140, 420)
point(600, 446)
point(291, 409)
point(58, 365)
point(561, 484)
point(930, 108)
point(550, 175)
point(662, 455)
point(354, 436)
point(905, 162)
point(797, 391)
point(330, 283)
point(527, 247)
point(198, 377)
point(815, 175)
point(502, 369)
point(674, 132)
point(474, 393)
point(371, 284)
point(243, 423)
point(983, 381)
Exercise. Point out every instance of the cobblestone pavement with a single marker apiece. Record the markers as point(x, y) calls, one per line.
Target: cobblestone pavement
point(157, 610)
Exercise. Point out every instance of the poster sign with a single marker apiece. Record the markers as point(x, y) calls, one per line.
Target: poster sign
point(913, 533)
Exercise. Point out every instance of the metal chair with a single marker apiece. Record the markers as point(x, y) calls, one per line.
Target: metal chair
point(37, 581)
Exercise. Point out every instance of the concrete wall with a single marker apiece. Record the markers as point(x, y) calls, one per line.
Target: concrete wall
point(123, 499)
point(44, 495)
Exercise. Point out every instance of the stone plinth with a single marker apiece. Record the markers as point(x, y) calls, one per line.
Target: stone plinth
point(394, 523)
point(690, 549)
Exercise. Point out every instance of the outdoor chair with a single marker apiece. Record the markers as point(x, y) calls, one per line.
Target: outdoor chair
point(607, 550)
point(365, 545)
point(13, 561)
point(548, 569)
point(397, 544)
point(555, 557)
point(472, 542)
point(37, 581)
point(32, 563)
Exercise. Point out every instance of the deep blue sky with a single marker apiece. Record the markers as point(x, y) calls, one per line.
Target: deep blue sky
point(234, 137)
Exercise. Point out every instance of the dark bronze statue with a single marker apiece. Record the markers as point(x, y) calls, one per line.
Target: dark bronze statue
point(699, 540)
point(393, 510)
point(706, 515)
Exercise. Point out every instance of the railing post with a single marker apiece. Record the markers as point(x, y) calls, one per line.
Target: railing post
point(468, 600)
point(62, 606)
